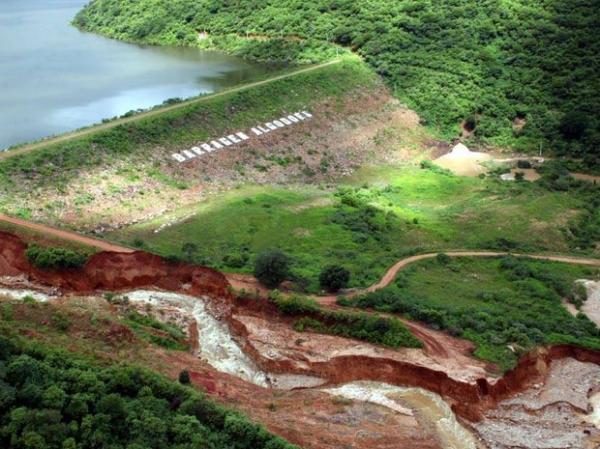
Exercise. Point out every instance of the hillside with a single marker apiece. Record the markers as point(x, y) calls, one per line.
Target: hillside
point(78, 347)
point(521, 73)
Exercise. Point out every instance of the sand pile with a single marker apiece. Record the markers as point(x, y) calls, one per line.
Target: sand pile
point(591, 307)
point(464, 162)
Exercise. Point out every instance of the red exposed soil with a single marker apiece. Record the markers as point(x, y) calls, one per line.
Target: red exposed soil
point(114, 271)
point(469, 397)
point(309, 418)
point(329, 358)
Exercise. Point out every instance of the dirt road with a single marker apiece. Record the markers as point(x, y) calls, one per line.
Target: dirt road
point(249, 283)
point(239, 281)
point(66, 235)
point(154, 112)
point(393, 271)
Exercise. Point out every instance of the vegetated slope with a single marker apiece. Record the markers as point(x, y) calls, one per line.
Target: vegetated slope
point(506, 306)
point(377, 217)
point(495, 65)
point(53, 399)
point(133, 160)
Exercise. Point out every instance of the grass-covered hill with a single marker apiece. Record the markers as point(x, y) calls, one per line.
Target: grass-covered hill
point(492, 65)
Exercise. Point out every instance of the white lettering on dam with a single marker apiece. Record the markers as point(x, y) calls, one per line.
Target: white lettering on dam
point(232, 140)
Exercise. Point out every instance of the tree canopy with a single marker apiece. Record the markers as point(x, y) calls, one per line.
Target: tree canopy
point(51, 399)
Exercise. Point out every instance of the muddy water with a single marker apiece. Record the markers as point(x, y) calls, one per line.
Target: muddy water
point(594, 416)
point(220, 350)
point(429, 408)
point(217, 346)
point(591, 307)
point(550, 415)
point(22, 294)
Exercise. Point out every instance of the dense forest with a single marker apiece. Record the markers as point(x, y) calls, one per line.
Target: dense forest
point(50, 399)
point(524, 73)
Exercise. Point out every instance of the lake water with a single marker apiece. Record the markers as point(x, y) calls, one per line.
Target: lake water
point(54, 78)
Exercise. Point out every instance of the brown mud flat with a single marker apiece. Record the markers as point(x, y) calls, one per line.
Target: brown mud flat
point(268, 339)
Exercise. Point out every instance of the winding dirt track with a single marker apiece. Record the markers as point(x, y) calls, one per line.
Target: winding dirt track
point(393, 271)
point(66, 235)
point(250, 283)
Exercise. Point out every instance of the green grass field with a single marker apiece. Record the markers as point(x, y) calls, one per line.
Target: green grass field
point(495, 302)
point(368, 222)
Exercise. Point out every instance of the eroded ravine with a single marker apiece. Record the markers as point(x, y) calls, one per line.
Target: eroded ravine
point(216, 345)
point(183, 287)
point(219, 348)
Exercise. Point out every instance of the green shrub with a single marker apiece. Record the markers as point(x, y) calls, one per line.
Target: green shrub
point(471, 123)
point(294, 305)
point(271, 268)
point(65, 402)
point(184, 377)
point(484, 63)
point(334, 278)
point(428, 165)
point(60, 321)
point(54, 258)
point(494, 302)
point(384, 331)
point(443, 259)
point(573, 125)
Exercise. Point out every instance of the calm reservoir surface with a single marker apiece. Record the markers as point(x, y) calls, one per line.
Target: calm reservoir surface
point(54, 78)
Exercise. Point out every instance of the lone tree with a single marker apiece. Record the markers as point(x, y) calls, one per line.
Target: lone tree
point(184, 377)
point(334, 278)
point(271, 268)
point(573, 125)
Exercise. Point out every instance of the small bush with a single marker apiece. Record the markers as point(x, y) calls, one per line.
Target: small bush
point(60, 321)
point(271, 268)
point(294, 305)
point(573, 125)
point(184, 377)
point(334, 278)
point(428, 165)
point(54, 258)
point(471, 123)
point(443, 259)
point(235, 260)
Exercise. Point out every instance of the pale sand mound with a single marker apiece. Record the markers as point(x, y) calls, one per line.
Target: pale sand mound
point(464, 162)
point(591, 307)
